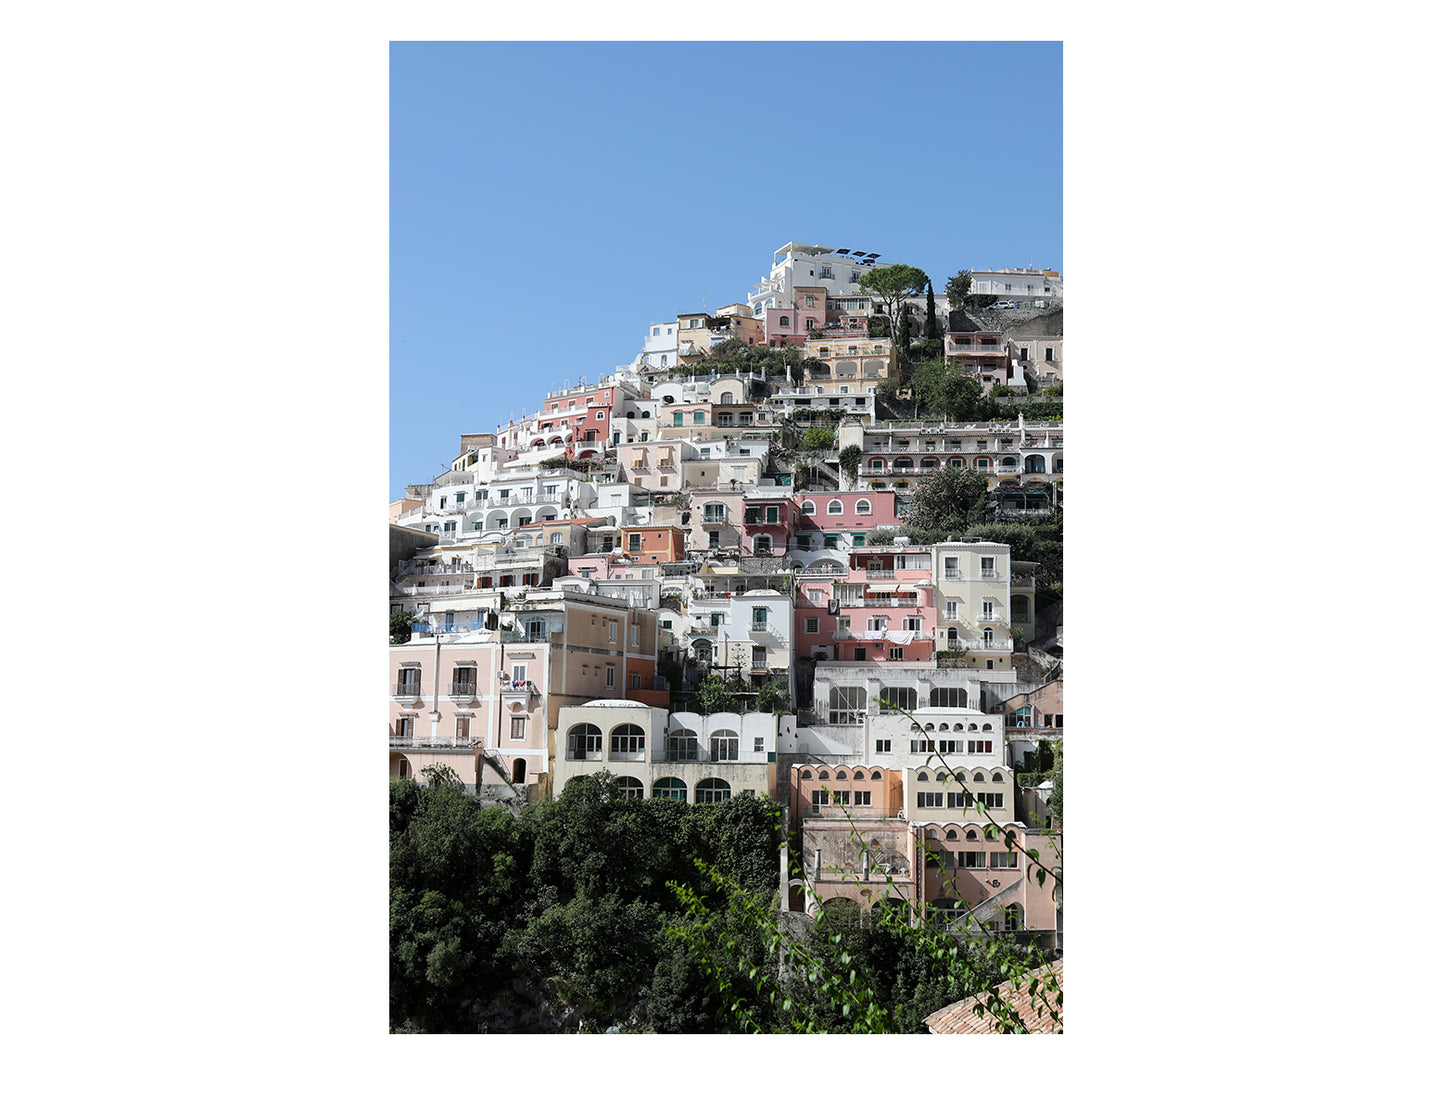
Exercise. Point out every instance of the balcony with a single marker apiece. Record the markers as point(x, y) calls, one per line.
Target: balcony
point(463, 692)
point(882, 573)
point(880, 603)
point(408, 692)
point(989, 573)
point(408, 742)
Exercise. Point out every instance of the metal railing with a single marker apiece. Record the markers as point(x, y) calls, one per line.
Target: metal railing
point(408, 690)
point(463, 689)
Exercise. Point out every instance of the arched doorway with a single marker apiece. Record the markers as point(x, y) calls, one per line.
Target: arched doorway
point(519, 770)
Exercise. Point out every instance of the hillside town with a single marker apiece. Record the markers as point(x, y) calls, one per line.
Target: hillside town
point(721, 570)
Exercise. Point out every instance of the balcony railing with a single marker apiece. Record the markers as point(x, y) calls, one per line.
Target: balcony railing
point(408, 742)
point(989, 573)
point(408, 691)
point(464, 690)
point(882, 573)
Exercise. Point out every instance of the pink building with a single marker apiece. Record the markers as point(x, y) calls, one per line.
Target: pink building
point(883, 607)
point(832, 521)
point(768, 523)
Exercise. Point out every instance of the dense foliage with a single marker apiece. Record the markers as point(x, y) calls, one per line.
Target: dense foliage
point(401, 626)
point(559, 917)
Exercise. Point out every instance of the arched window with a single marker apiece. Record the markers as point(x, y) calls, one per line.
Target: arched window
point(713, 790)
point(630, 787)
point(971, 836)
point(723, 745)
point(669, 787)
point(835, 506)
point(922, 776)
point(726, 398)
point(903, 463)
point(628, 739)
point(862, 506)
point(978, 777)
point(951, 836)
point(988, 727)
point(584, 742)
point(973, 726)
point(681, 745)
point(808, 507)
point(858, 775)
point(876, 776)
point(998, 777)
point(806, 775)
point(929, 464)
point(876, 463)
point(556, 539)
point(825, 775)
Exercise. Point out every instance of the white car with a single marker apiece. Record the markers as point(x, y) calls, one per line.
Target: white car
point(1003, 305)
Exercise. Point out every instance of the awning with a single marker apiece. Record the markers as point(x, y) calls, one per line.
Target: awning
point(882, 588)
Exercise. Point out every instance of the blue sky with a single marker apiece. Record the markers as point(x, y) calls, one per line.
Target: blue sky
point(549, 200)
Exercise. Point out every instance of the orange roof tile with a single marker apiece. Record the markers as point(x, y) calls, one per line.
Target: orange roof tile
point(961, 1018)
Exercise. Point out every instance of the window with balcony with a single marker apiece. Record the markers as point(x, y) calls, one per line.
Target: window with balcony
point(408, 681)
point(723, 745)
point(628, 739)
point(713, 511)
point(403, 727)
point(584, 742)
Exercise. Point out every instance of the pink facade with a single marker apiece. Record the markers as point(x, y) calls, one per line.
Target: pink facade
point(768, 523)
point(885, 605)
point(845, 511)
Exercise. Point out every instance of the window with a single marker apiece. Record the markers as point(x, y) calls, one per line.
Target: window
point(1003, 860)
point(611, 676)
point(723, 745)
point(846, 705)
point(895, 700)
point(883, 745)
point(835, 507)
point(1024, 353)
point(960, 799)
point(628, 739)
point(809, 301)
point(634, 680)
point(930, 799)
point(810, 625)
point(681, 745)
point(895, 652)
point(913, 624)
point(950, 611)
point(713, 790)
point(519, 675)
point(782, 322)
point(519, 726)
point(760, 658)
point(980, 745)
point(830, 540)
point(670, 787)
point(808, 507)
point(698, 416)
point(972, 859)
point(758, 745)
point(713, 511)
point(949, 697)
point(677, 419)
point(636, 636)
point(863, 799)
point(1048, 355)
point(634, 542)
point(859, 539)
point(950, 567)
point(583, 740)
point(763, 543)
point(992, 800)
point(862, 506)
point(612, 633)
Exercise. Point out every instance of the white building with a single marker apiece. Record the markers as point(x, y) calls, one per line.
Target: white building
point(837, 270)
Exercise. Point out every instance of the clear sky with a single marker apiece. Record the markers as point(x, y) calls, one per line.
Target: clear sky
point(549, 200)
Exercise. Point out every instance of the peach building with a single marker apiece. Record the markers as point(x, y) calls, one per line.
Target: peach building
point(864, 848)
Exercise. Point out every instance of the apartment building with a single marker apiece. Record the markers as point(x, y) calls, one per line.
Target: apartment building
point(853, 359)
point(974, 591)
point(836, 270)
point(693, 758)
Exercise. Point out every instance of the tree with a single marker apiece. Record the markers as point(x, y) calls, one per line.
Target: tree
point(893, 285)
point(401, 626)
point(931, 330)
point(958, 287)
point(713, 695)
point(849, 459)
point(947, 391)
point(949, 500)
point(816, 439)
point(905, 328)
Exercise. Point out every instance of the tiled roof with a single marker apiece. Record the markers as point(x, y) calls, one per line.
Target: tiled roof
point(961, 1019)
